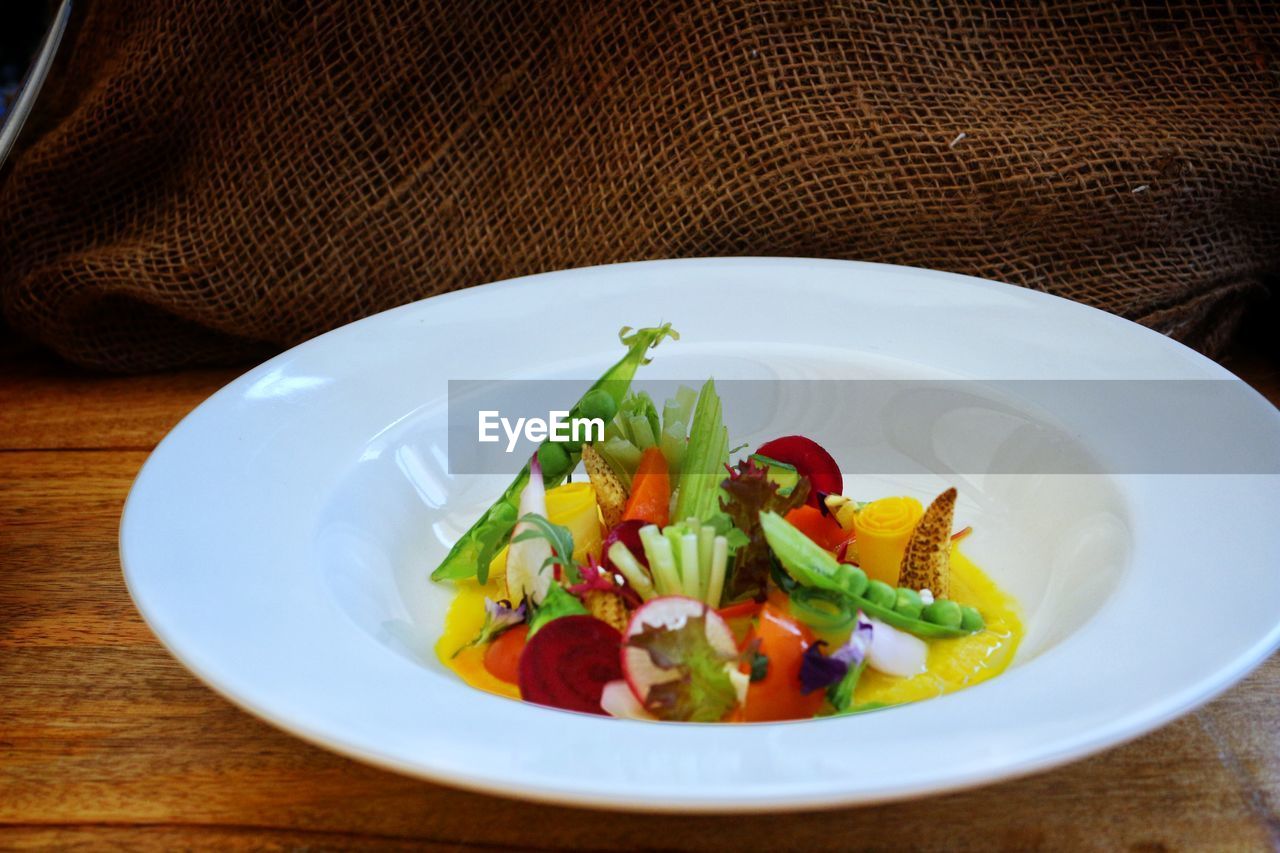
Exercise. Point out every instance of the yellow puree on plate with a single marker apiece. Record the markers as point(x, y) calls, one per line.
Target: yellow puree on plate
point(952, 664)
point(964, 661)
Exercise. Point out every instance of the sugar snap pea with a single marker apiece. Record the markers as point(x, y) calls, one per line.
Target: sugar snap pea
point(813, 566)
point(472, 553)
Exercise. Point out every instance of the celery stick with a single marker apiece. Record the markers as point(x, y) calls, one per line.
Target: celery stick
point(719, 563)
point(708, 451)
point(691, 574)
point(641, 434)
point(706, 544)
point(672, 443)
point(626, 563)
point(672, 535)
point(679, 407)
point(623, 457)
point(666, 579)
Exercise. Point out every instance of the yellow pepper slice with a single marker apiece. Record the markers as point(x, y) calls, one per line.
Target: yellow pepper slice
point(883, 528)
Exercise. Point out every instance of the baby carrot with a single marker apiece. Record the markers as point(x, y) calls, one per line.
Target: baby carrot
point(650, 499)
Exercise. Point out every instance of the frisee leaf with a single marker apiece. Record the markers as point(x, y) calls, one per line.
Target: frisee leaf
point(702, 692)
point(747, 493)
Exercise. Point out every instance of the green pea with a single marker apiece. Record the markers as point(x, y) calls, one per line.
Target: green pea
point(879, 592)
point(554, 460)
point(851, 578)
point(908, 603)
point(597, 403)
point(943, 612)
point(971, 619)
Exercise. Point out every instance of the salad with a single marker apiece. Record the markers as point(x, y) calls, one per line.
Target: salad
point(682, 580)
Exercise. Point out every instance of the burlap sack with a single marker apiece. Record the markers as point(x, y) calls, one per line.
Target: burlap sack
point(208, 180)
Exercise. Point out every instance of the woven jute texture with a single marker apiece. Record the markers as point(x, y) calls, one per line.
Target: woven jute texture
point(208, 181)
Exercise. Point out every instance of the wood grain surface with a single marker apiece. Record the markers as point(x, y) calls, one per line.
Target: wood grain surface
point(106, 742)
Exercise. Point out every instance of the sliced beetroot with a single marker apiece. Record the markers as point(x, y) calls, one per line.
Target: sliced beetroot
point(568, 663)
point(628, 533)
point(810, 460)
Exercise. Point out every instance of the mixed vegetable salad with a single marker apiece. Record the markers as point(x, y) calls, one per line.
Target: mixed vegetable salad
point(678, 584)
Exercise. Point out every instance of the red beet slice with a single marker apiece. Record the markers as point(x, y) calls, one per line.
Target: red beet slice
point(628, 533)
point(568, 663)
point(811, 460)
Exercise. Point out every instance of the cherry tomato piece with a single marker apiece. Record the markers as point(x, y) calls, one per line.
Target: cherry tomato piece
point(777, 696)
point(822, 529)
point(502, 658)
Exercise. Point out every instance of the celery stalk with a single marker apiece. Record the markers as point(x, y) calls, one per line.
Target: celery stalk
point(719, 563)
point(706, 545)
point(691, 574)
point(704, 459)
point(626, 563)
point(662, 561)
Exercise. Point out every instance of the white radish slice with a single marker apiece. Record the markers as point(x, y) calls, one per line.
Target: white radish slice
point(617, 700)
point(526, 575)
point(669, 611)
point(895, 652)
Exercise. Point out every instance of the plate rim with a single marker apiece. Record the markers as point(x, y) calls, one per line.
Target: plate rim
point(1121, 732)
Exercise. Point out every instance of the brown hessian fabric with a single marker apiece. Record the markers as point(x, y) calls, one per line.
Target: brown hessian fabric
point(209, 181)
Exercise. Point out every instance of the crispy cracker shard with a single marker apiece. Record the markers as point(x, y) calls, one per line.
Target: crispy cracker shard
point(926, 564)
point(610, 493)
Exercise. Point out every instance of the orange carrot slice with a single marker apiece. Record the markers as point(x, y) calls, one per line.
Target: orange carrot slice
point(650, 499)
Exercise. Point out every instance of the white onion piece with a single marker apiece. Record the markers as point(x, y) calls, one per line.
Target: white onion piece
point(895, 652)
point(617, 700)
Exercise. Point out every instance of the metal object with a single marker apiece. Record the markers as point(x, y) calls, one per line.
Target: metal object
point(35, 80)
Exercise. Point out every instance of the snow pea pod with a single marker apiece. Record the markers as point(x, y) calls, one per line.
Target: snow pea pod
point(812, 566)
point(472, 553)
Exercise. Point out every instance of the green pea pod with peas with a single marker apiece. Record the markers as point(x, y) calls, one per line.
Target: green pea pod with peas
point(471, 555)
point(835, 592)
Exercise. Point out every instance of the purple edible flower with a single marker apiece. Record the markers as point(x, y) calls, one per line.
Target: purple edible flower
point(500, 614)
point(818, 671)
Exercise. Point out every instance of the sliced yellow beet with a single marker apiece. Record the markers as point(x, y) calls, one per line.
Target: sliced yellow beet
point(883, 530)
point(572, 505)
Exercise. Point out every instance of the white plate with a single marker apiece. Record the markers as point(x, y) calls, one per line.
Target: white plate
point(278, 541)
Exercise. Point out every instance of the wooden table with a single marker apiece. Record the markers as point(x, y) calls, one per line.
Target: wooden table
point(106, 741)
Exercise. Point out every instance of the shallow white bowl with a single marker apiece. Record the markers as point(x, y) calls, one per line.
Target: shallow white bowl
point(278, 541)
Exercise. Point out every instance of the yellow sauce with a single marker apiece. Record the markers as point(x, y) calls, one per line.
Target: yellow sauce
point(572, 505)
point(952, 664)
point(962, 662)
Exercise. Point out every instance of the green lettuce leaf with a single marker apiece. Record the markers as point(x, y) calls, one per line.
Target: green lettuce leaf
point(559, 602)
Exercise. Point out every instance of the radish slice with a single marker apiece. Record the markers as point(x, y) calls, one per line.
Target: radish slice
point(895, 652)
point(811, 460)
point(617, 700)
point(568, 663)
point(527, 572)
point(670, 611)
